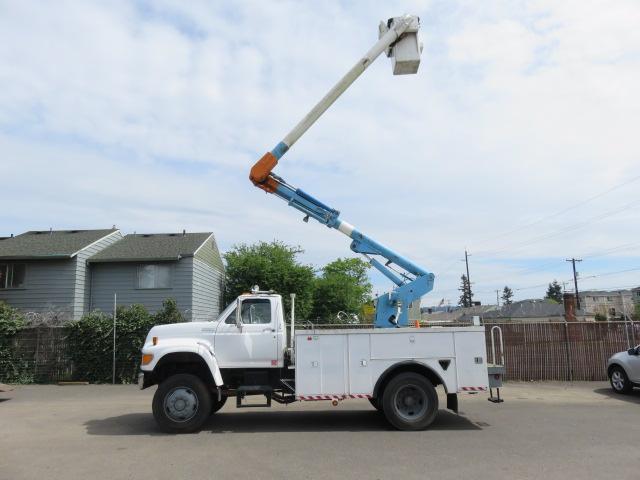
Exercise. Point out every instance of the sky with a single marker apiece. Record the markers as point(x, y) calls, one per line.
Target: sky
point(517, 140)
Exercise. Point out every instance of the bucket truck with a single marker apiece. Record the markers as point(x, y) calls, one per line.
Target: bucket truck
point(244, 353)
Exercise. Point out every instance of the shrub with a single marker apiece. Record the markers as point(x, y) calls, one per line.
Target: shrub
point(13, 367)
point(91, 341)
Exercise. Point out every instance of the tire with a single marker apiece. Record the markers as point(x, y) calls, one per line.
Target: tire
point(215, 404)
point(375, 402)
point(181, 404)
point(410, 402)
point(619, 380)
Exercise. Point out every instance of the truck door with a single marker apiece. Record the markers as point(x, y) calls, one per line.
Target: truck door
point(255, 343)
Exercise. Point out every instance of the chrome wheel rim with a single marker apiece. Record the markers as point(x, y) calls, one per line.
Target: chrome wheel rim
point(410, 402)
point(181, 404)
point(617, 380)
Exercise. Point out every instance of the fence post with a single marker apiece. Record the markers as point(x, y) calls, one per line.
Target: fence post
point(113, 368)
point(568, 351)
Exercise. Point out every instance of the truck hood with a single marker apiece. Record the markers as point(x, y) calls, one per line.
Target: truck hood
point(177, 330)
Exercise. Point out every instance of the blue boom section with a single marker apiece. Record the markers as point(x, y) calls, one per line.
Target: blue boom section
point(392, 309)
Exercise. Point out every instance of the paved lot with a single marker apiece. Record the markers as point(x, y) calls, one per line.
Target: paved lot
point(549, 430)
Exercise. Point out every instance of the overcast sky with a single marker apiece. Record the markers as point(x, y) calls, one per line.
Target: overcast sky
point(518, 139)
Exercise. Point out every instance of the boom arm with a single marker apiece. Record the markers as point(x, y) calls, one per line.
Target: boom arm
point(399, 38)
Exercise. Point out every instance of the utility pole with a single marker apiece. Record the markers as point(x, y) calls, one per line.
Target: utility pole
point(466, 261)
point(497, 299)
point(575, 279)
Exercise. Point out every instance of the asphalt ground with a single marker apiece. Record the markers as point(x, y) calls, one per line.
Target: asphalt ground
point(542, 431)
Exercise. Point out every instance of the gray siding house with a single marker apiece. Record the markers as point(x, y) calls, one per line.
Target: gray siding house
point(148, 268)
point(45, 272)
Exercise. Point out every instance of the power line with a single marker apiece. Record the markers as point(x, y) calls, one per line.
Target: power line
point(565, 210)
point(540, 220)
point(562, 231)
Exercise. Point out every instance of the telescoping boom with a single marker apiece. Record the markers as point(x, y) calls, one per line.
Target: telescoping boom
point(399, 39)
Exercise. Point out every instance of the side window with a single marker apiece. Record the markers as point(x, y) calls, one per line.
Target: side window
point(154, 276)
point(254, 311)
point(12, 275)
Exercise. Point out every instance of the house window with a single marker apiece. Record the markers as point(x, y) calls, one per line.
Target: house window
point(154, 276)
point(12, 275)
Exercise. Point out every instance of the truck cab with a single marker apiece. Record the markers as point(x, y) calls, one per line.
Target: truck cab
point(256, 338)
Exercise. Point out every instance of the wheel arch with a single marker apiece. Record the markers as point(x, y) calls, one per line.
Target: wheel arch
point(407, 366)
point(182, 362)
point(614, 365)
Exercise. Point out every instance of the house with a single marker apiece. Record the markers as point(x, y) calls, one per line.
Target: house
point(454, 314)
point(611, 304)
point(531, 311)
point(148, 268)
point(45, 272)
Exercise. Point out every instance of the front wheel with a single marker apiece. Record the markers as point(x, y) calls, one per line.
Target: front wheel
point(376, 403)
point(181, 404)
point(619, 380)
point(410, 402)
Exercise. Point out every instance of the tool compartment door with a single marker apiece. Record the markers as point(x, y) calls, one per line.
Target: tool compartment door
point(471, 361)
point(359, 364)
point(321, 364)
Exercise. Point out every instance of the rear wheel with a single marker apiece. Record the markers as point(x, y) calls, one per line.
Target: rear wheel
point(619, 380)
point(410, 402)
point(181, 404)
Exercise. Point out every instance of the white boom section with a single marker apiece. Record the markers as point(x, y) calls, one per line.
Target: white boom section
point(400, 26)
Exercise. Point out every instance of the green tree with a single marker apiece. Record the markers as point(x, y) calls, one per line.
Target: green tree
point(271, 266)
point(507, 295)
point(342, 286)
point(466, 297)
point(554, 292)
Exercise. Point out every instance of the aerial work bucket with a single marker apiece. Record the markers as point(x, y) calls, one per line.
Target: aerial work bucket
point(405, 53)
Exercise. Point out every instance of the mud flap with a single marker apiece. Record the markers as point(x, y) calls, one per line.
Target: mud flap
point(452, 402)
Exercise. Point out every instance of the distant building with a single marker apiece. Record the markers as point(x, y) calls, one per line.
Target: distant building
point(525, 311)
point(635, 295)
point(528, 311)
point(611, 304)
point(67, 273)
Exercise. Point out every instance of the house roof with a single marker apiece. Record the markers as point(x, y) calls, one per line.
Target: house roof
point(527, 309)
point(49, 244)
point(152, 247)
point(609, 293)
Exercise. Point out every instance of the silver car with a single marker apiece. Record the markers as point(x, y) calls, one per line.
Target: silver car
point(623, 369)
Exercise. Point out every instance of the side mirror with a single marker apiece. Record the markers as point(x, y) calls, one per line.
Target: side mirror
point(239, 314)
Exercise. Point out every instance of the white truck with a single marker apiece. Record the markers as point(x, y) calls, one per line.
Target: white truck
point(244, 353)
point(197, 366)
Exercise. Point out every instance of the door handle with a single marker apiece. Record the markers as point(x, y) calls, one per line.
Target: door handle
point(269, 330)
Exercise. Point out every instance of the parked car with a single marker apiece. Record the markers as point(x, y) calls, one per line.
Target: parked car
point(623, 369)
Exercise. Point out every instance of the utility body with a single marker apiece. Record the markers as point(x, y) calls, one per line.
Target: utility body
point(244, 353)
